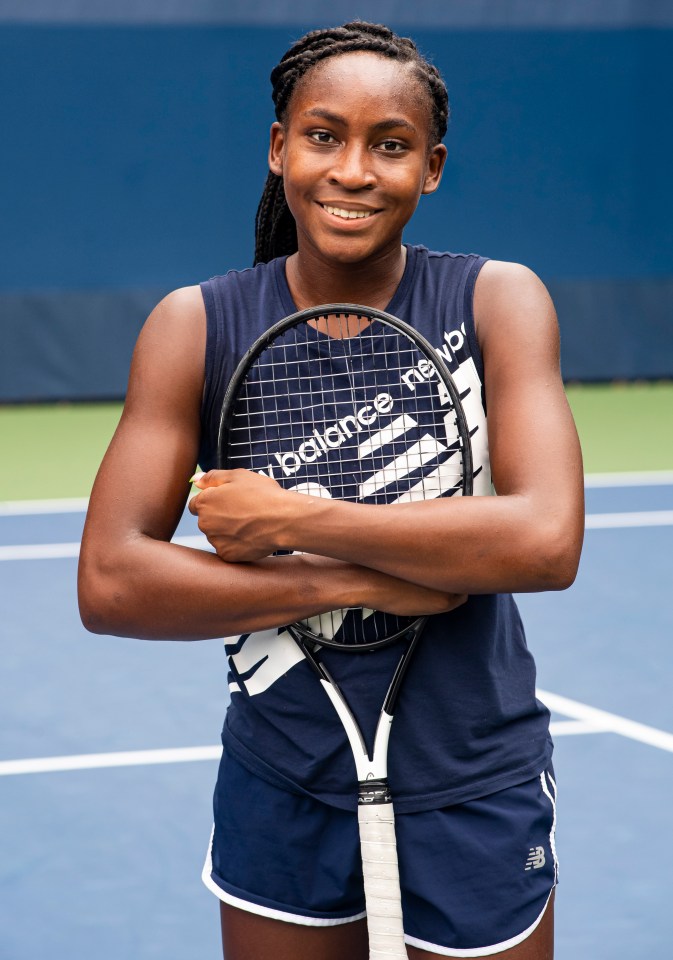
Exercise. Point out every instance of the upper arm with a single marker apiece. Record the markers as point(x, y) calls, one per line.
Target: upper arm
point(142, 483)
point(533, 442)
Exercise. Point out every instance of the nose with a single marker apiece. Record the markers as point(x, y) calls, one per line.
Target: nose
point(353, 168)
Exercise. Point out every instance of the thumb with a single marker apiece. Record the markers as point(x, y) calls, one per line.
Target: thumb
point(213, 478)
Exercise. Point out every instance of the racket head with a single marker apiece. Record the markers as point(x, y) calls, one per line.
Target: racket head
point(344, 401)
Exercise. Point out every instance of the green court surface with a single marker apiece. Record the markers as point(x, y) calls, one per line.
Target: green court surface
point(54, 451)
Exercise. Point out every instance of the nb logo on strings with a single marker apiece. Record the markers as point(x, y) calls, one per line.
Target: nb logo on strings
point(536, 858)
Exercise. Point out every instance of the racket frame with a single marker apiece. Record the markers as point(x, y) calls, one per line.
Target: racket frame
point(376, 814)
point(347, 309)
point(443, 375)
point(375, 808)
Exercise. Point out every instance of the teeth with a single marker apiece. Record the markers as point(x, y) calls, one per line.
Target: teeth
point(348, 214)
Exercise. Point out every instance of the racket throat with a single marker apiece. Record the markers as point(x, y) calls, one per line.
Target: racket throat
point(372, 792)
point(368, 768)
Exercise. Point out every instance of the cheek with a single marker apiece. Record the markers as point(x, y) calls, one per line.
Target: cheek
point(405, 184)
point(298, 200)
point(300, 172)
point(304, 179)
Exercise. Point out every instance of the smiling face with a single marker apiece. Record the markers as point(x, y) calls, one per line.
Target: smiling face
point(355, 156)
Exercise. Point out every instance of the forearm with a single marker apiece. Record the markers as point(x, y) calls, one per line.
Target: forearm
point(156, 590)
point(465, 545)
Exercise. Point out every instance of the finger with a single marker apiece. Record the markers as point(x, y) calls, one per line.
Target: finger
point(459, 600)
point(213, 478)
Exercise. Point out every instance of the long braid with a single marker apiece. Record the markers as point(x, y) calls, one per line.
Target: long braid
point(275, 228)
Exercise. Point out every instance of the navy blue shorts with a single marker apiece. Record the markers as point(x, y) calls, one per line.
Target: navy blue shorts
point(475, 876)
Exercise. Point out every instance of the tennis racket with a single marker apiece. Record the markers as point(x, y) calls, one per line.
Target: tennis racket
point(348, 402)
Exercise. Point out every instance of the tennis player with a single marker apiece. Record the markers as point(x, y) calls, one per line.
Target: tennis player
point(357, 142)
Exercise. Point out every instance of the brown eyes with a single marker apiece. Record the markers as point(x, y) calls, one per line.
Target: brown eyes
point(392, 146)
point(385, 146)
point(322, 136)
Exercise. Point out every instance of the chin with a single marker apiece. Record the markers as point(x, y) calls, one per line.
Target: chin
point(348, 250)
point(347, 256)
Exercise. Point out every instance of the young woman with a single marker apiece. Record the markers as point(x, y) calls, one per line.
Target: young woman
point(357, 141)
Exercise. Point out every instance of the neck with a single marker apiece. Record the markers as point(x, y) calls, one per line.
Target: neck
point(371, 283)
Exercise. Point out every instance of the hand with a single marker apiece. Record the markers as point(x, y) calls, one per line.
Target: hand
point(379, 591)
point(241, 513)
point(410, 600)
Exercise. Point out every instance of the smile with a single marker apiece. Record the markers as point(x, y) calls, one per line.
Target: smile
point(347, 214)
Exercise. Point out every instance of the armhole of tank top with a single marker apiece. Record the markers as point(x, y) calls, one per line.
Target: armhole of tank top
point(468, 319)
point(210, 303)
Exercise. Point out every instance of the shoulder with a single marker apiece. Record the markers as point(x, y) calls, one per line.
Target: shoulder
point(515, 324)
point(171, 343)
point(180, 307)
point(502, 285)
point(186, 308)
point(510, 300)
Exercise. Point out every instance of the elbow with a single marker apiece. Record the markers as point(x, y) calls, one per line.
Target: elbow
point(94, 606)
point(557, 558)
point(100, 598)
point(560, 574)
point(92, 615)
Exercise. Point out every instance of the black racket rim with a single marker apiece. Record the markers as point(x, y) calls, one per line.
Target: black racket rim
point(349, 309)
point(299, 630)
point(302, 635)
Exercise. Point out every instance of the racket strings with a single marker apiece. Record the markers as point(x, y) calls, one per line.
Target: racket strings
point(363, 417)
point(337, 618)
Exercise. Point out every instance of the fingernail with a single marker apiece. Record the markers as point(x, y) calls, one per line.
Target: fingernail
point(196, 477)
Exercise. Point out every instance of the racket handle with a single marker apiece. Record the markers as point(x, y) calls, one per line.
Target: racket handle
point(381, 881)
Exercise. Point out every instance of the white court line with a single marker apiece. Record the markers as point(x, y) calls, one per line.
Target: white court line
point(39, 551)
point(586, 719)
point(594, 521)
point(61, 551)
point(641, 478)
point(91, 761)
point(641, 518)
point(563, 728)
point(603, 722)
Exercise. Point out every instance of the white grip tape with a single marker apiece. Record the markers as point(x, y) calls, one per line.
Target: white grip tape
point(382, 881)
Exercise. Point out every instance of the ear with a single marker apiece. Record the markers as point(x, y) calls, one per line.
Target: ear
point(433, 173)
point(276, 144)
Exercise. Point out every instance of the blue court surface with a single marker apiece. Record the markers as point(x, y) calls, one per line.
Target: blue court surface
point(108, 748)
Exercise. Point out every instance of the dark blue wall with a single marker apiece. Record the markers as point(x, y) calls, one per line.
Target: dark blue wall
point(134, 156)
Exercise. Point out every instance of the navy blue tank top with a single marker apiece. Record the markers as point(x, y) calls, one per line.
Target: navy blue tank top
point(467, 722)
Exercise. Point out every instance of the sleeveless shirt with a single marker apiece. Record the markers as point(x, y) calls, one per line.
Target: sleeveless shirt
point(467, 722)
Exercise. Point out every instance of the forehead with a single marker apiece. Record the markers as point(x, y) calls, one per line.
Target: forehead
point(363, 84)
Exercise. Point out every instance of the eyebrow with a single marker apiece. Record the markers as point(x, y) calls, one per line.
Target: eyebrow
point(390, 124)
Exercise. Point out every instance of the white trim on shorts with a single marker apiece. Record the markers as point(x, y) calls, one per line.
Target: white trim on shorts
point(519, 938)
point(288, 917)
point(480, 951)
point(258, 909)
point(552, 799)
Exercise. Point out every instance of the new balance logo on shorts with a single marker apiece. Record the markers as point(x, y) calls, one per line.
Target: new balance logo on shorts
point(536, 858)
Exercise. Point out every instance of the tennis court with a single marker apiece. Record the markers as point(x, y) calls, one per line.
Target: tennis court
point(135, 156)
point(109, 746)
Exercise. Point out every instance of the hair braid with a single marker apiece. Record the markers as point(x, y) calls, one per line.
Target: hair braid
point(275, 228)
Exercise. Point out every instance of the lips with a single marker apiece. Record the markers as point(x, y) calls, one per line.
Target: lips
point(345, 213)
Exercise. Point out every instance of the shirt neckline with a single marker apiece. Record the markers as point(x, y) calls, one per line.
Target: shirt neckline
point(397, 299)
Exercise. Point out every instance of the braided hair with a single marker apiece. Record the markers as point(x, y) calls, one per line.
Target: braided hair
point(275, 228)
